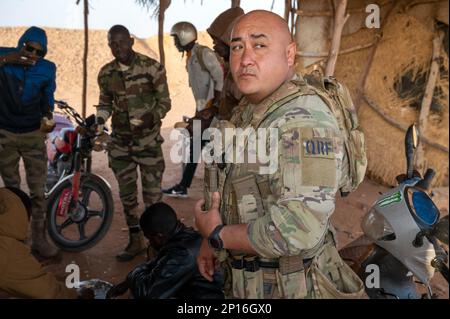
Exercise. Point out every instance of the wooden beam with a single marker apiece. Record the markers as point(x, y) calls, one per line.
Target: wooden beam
point(325, 54)
point(85, 58)
point(428, 98)
point(287, 10)
point(339, 21)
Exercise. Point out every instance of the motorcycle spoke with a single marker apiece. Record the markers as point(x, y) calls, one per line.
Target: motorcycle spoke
point(81, 231)
point(86, 195)
point(95, 213)
point(65, 224)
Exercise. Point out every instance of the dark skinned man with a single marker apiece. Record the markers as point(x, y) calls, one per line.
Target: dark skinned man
point(27, 86)
point(134, 93)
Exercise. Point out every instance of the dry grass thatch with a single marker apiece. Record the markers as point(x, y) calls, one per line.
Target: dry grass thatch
point(402, 56)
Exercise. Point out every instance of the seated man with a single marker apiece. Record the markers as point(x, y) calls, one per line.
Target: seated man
point(22, 276)
point(173, 273)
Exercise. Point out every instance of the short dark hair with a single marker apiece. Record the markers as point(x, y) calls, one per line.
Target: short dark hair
point(158, 218)
point(118, 28)
point(26, 200)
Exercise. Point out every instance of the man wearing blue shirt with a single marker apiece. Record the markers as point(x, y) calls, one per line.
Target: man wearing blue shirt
point(27, 86)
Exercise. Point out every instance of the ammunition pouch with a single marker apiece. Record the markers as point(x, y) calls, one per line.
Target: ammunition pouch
point(255, 278)
point(331, 277)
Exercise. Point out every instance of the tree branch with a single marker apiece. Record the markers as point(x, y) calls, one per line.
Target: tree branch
point(339, 22)
point(428, 98)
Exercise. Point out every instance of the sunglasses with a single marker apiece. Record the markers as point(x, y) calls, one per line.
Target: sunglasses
point(31, 49)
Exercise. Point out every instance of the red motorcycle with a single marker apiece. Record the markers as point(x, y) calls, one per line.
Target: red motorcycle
point(79, 203)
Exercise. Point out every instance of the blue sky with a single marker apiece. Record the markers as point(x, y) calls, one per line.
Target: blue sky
point(105, 13)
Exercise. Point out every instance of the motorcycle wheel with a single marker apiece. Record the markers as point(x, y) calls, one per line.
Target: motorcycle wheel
point(85, 225)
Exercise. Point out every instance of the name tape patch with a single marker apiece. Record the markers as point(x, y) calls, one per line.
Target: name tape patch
point(318, 147)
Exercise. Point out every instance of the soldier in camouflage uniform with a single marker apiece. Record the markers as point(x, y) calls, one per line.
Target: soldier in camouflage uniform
point(220, 31)
point(134, 92)
point(271, 230)
point(27, 87)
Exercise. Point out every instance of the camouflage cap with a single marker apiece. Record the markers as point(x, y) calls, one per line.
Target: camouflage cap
point(223, 24)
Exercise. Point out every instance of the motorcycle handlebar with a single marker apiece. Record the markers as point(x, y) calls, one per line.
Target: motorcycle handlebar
point(71, 112)
point(84, 123)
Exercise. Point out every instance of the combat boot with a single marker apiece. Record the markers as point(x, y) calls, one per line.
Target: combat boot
point(136, 246)
point(40, 244)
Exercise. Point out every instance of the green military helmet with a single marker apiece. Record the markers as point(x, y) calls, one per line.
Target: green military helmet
point(185, 32)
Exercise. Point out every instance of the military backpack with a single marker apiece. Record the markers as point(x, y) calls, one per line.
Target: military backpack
point(338, 99)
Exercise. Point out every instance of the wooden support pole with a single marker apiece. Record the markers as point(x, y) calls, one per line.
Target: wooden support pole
point(85, 57)
point(287, 10)
point(339, 21)
point(428, 98)
point(235, 3)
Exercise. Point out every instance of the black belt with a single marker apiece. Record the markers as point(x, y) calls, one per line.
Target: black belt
point(256, 263)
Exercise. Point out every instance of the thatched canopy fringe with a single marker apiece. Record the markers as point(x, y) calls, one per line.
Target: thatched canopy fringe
point(331, 13)
point(415, 3)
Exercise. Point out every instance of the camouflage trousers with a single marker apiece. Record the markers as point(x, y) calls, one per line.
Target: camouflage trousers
point(31, 148)
point(124, 161)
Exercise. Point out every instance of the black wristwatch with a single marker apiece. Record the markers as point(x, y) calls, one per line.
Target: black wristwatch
point(214, 239)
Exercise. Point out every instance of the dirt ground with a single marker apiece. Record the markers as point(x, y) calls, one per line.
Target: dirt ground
point(99, 262)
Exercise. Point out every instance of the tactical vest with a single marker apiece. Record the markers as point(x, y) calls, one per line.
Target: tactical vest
point(338, 99)
point(246, 195)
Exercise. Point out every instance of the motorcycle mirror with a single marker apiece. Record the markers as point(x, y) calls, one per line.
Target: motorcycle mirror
point(411, 143)
point(440, 231)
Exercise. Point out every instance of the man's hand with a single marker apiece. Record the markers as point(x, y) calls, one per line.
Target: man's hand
point(117, 290)
point(98, 126)
point(47, 124)
point(206, 261)
point(17, 58)
point(206, 221)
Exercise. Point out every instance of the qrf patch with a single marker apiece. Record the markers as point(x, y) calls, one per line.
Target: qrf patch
point(318, 147)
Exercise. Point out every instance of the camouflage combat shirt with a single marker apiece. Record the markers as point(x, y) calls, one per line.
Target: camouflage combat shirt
point(291, 217)
point(136, 98)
